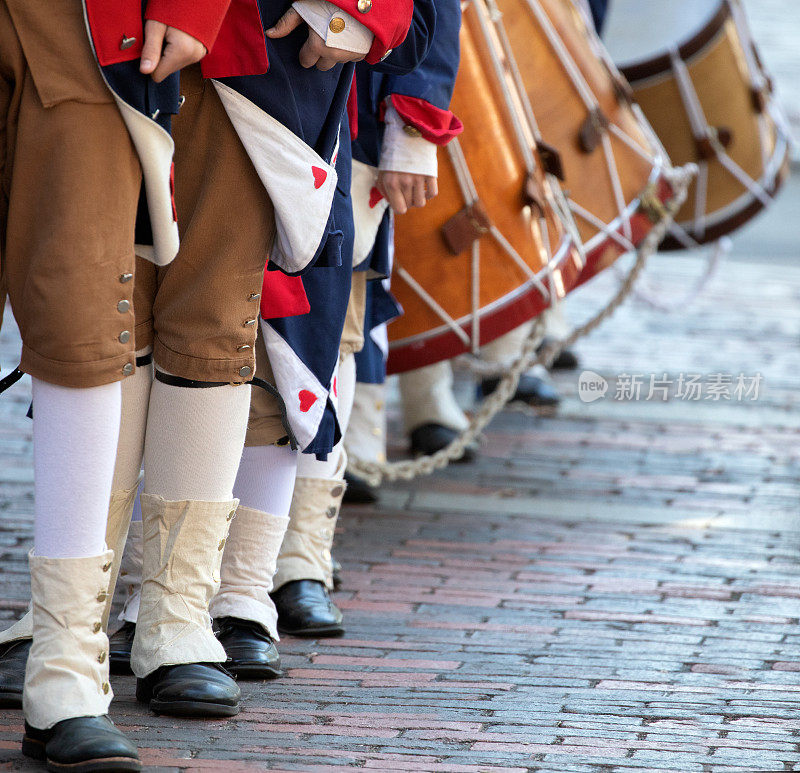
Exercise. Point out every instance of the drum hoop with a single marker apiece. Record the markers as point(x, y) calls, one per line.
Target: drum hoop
point(661, 63)
point(565, 249)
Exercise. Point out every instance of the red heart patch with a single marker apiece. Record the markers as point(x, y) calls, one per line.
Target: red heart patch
point(320, 175)
point(375, 196)
point(307, 399)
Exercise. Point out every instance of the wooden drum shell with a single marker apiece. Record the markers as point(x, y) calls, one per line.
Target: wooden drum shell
point(507, 297)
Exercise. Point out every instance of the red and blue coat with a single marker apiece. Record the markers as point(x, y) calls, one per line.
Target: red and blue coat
point(233, 33)
point(304, 348)
point(422, 99)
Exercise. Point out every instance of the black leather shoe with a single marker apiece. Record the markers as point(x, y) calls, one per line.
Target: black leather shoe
point(252, 653)
point(430, 438)
point(305, 609)
point(531, 390)
point(358, 491)
point(336, 574)
point(566, 359)
point(82, 745)
point(190, 690)
point(119, 649)
point(13, 657)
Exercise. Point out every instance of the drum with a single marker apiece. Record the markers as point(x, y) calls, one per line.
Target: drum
point(492, 251)
point(611, 165)
point(696, 73)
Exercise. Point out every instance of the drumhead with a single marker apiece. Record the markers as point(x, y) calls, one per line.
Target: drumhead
point(637, 30)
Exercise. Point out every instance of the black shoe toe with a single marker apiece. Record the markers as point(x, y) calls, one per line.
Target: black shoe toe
point(305, 609)
point(190, 690)
point(13, 658)
point(358, 491)
point(532, 390)
point(428, 439)
point(252, 653)
point(119, 649)
point(82, 745)
point(565, 360)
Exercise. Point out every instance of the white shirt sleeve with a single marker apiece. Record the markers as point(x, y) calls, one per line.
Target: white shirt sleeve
point(337, 28)
point(404, 150)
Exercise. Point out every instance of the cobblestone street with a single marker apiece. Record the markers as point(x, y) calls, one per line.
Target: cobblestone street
point(613, 588)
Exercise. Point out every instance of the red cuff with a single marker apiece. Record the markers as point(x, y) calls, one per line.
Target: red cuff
point(388, 20)
point(283, 296)
point(199, 18)
point(436, 125)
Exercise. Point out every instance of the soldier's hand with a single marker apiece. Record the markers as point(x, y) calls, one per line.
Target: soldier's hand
point(404, 190)
point(168, 49)
point(315, 52)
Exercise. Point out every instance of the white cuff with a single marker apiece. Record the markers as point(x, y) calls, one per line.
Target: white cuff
point(337, 28)
point(404, 150)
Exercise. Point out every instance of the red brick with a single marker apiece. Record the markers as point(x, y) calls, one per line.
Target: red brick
point(381, 662)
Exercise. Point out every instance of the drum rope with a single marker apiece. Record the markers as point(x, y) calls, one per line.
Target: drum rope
point(523, 141)
point(702, 130)
point(575, 75)
point(374, 473)
point(605, 229)
point(428, 299)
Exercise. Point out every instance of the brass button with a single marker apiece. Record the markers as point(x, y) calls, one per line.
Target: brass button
point(376, 431)
point(332, 512)
point(379, 405)
point(254, 297)
point(106, 688)
point(125, 278)
point(127, 369)
point(126, 43)
point(245, 371)
point(412, 131)
point(125, 336)
point(231, 515)
point(101, 658)
point(250, 322)
point(364, 6)
point(97, 627)
point(337, 24)
point(337, 491)
point(102, 596)
point(243, 348)
point(221, 545)
point(123, 307)
point(106, 566)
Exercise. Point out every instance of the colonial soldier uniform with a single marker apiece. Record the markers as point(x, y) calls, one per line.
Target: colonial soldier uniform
point(298, 353)
point(79, 142)
point(199, 315)
point(416, 120)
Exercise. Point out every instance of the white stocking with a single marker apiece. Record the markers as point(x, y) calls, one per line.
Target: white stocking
point(265, 480)
point(194, 441)
point(75, 433)
point(135, 400)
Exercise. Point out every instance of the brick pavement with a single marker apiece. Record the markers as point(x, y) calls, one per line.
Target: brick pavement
point(612, 589)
